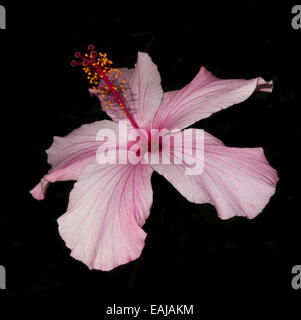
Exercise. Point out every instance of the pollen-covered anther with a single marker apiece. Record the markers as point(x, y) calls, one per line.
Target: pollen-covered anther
point(106, 81)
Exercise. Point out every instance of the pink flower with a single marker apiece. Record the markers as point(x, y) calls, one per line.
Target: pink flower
point(109, 204)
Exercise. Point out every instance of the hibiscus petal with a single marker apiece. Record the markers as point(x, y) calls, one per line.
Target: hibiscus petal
point(204, 95)
point(107, 208)
point(237, 181)
point(145, 85)
point(69, 155)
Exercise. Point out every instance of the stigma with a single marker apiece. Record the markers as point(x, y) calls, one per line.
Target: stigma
point(108, 84)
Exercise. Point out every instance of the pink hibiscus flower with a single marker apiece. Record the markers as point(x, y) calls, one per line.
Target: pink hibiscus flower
point(109, 204)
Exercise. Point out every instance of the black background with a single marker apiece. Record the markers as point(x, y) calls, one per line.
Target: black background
point(190, 254)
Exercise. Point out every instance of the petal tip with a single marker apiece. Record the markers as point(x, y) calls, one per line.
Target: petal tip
point(264, 86)
point(37, 193)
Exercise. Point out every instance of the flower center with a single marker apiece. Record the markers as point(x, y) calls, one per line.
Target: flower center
point(106, 82)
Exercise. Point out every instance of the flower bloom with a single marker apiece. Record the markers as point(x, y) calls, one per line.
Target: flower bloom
point(109, 204)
